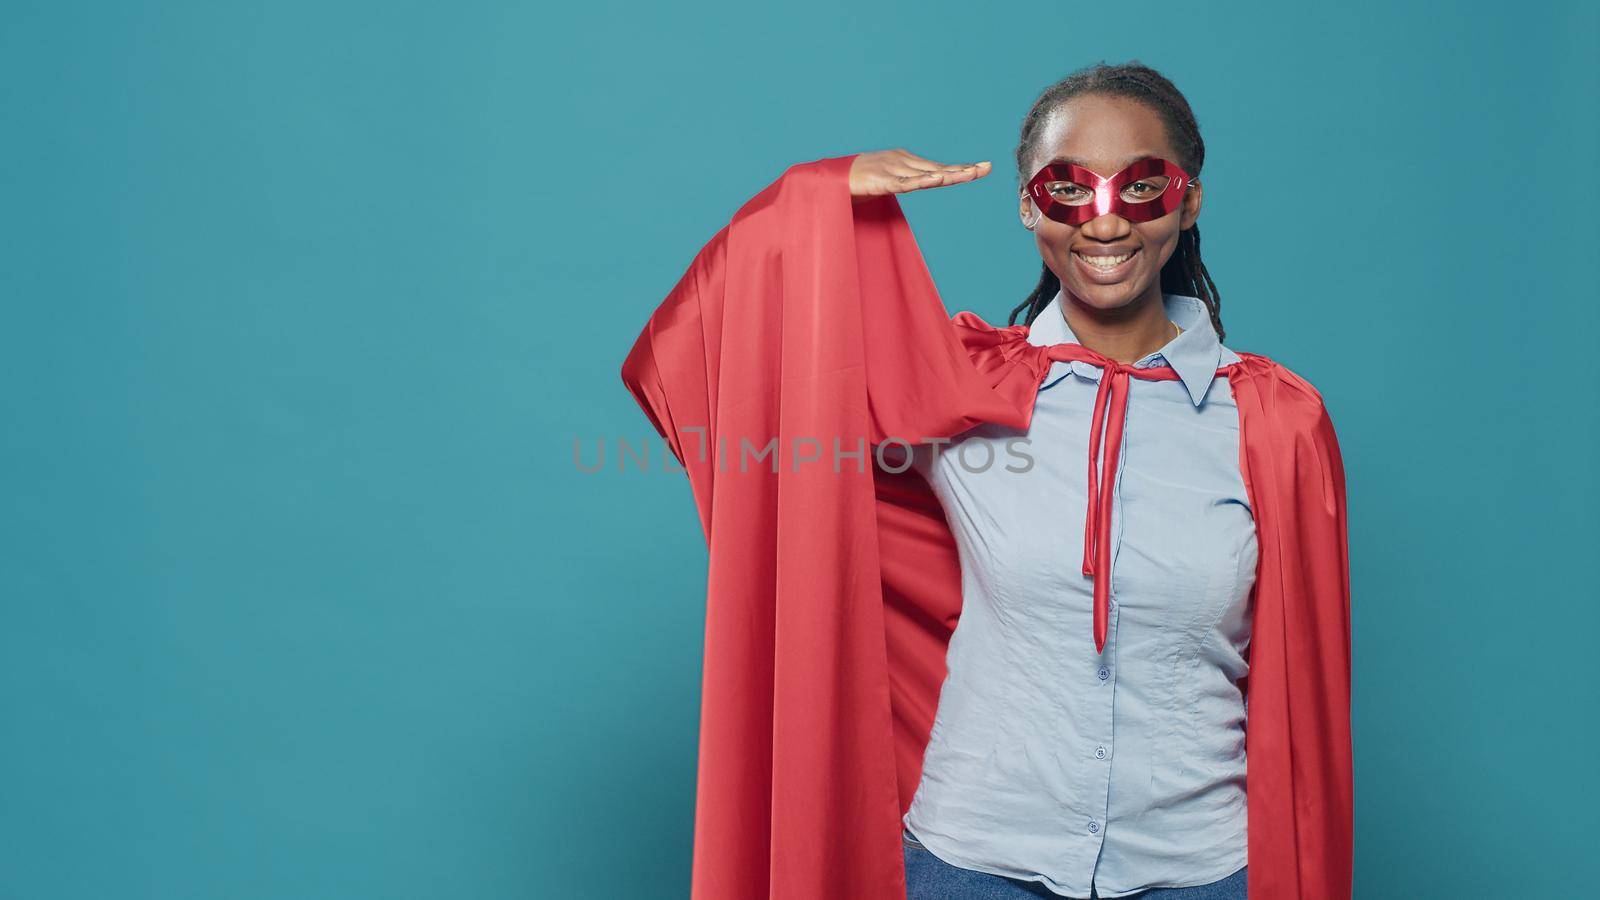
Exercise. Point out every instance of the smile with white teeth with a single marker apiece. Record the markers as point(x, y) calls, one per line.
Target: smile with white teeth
point(1104, 262)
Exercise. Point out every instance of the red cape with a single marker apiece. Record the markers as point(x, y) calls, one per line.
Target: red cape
point(832, 594)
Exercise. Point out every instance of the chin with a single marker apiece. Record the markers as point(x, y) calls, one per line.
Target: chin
point(1106, 296)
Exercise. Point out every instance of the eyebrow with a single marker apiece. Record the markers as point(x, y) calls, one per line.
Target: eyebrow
point(1078, 162)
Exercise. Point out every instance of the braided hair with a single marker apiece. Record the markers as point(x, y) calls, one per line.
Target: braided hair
point(1183, 273)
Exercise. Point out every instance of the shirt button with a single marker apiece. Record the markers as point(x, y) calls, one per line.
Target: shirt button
point(1094, 827)
point(1099, 753)
point(1104, 673)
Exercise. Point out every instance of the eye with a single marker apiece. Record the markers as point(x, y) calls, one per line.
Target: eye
point(1144, 190)
point(1065, 190)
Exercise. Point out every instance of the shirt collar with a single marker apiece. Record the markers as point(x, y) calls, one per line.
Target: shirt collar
point(1193, 354)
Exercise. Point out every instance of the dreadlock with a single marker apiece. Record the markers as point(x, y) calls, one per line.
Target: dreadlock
point(1183, 273)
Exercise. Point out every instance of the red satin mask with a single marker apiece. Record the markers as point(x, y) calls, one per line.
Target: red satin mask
point(1073, 195)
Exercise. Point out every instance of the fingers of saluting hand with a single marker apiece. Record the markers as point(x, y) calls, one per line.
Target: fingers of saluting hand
point(915, 173)
point(898, 171)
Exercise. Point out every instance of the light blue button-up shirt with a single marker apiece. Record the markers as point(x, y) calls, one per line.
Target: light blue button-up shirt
point(1051, 762)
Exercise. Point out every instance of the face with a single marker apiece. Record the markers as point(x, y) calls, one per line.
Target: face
point(1105, 135)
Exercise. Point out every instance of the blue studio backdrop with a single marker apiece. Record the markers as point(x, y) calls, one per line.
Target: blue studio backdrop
point(302, 594)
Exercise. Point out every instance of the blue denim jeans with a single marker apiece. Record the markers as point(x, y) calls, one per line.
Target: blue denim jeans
point(930, 878)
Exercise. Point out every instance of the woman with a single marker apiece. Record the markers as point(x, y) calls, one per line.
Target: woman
point(1090, 731)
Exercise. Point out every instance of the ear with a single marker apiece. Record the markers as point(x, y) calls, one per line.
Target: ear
point(1025, 208)
point(1192, 195)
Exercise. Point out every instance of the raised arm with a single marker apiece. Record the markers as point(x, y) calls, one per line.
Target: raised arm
point(815, 299)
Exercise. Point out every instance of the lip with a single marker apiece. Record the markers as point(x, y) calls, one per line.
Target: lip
point(1106, 276)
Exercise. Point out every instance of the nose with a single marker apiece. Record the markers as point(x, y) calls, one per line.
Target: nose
point(1108, 227)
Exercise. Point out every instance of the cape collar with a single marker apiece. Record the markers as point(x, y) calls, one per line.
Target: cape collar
point(1194, 355)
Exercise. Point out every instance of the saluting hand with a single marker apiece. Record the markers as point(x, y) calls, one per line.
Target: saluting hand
point(897, 171)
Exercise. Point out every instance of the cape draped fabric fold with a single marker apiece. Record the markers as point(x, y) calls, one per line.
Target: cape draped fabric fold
point(834, 585)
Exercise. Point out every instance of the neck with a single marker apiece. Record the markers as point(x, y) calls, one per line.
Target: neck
point(1126, 333)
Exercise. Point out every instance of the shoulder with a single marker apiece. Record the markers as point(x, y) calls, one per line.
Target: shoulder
point(979, 335)
point(1260, 363)
point(1282, 391)
point(971, 320)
